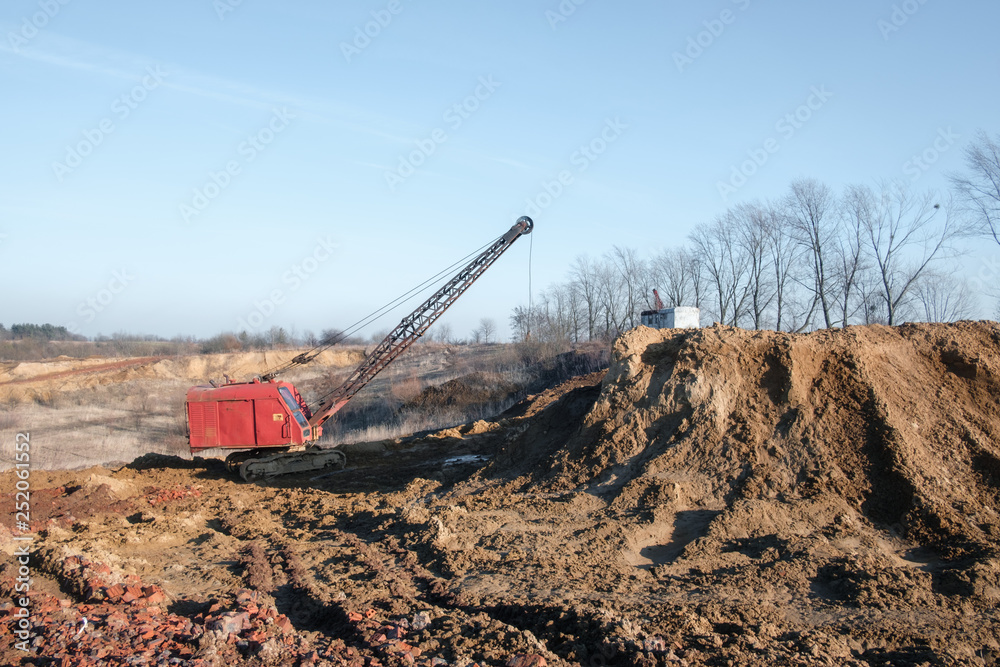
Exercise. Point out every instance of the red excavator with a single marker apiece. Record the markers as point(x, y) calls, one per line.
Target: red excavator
point(266, 421)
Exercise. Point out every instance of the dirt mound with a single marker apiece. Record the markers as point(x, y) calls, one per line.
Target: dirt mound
point(896, 425)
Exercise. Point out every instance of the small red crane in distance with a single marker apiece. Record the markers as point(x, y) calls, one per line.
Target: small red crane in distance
point(267, 424)
point(657, 301)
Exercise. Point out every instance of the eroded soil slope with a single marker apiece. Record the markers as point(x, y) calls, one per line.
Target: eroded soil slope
point(719, 497)
point(898, 426)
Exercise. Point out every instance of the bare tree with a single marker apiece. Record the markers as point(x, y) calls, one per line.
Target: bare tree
point(486, 331)
point(520, 323)
point(849, 252)
point(752, 223)
point(676, 272)
point(609, 299)
point(904, 238)
point(784, 255)
point(810, 204)
point(979, 191)
point(583, 278)
point(632, 271)
point(715, 245)
point(944, 298)
point(695, 269)
point(873, 309)
point(572, 309)
point(443, 333)
point(557, 316)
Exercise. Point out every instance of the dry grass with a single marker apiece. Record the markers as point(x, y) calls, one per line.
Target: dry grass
point(121, 421)
point(104, 425)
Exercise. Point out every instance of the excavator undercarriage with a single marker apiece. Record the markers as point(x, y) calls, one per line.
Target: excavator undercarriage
point(264, 464)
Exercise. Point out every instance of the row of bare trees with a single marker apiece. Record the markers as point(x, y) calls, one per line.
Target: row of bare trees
point(811, 258)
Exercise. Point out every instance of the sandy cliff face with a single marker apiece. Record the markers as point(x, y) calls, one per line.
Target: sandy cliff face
point(29, 380)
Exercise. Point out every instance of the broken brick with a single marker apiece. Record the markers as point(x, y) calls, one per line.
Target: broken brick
point(132, 593)
point(230, 623)
point(155, 597)
point(523, 660)
point(114, 593)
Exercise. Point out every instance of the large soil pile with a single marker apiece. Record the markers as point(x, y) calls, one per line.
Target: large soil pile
point(895, 426)
point(719, 497)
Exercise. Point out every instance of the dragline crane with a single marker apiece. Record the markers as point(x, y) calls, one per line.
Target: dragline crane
point(266, 422)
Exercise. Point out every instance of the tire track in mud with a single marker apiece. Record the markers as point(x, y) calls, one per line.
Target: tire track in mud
point(321, 583)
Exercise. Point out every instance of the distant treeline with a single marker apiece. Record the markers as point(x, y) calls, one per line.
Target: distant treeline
point(37, 331)
point(27, 342)
point(813, 257)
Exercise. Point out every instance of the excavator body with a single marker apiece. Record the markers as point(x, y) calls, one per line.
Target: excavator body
point(242, 415)
point(271, 430)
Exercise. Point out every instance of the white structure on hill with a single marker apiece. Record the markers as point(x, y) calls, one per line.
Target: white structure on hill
point(681, 317)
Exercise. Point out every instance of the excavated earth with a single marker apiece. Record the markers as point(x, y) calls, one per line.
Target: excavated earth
point(718, 497)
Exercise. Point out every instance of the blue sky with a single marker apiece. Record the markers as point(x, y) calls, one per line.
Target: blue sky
point(169, 167)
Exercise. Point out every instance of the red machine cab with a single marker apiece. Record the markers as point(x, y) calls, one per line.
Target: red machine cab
point(247, 414)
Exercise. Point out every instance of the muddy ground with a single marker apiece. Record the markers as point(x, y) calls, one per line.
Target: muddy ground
point(719, 497)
